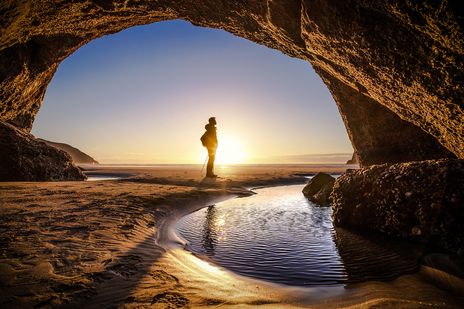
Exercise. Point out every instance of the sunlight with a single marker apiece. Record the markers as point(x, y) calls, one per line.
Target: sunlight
point(252, 90)
point(230, 151)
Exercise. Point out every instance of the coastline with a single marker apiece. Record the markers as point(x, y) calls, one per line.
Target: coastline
point(108, 242)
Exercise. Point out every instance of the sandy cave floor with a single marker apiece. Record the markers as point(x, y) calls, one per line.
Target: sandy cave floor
point(107, 244)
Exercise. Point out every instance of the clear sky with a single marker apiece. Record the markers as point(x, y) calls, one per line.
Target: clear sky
point(144, 95)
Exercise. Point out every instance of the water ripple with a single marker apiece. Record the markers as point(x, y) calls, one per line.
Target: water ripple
point(278, 235)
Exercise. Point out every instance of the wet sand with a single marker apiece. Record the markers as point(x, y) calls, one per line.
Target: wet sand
point(110, 244)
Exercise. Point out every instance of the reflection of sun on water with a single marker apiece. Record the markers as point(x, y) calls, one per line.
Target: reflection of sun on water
point(218, 226)
point(230, 151)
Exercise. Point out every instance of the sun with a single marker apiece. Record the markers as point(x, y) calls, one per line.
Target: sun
point(230, 151)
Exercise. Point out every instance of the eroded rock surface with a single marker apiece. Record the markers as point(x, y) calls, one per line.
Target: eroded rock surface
point(22, 157)
point(319, 188)
point(421, 201)
point(404, 58)
point(377, 134)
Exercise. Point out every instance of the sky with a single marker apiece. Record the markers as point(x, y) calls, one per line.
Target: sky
point(143, 95)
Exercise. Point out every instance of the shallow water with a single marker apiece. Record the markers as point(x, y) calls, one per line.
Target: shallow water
point(280, 236)
point(100, 178)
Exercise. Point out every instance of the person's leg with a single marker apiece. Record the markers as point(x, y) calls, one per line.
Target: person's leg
point(210, 165)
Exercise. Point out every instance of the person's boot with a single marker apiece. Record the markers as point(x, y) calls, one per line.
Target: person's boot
point(209, 171)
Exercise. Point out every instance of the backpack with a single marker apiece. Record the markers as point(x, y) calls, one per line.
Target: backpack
point(204, 138)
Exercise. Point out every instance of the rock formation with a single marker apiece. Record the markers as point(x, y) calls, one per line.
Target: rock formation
point(422, 201)
point(77, 156)
point(319, 188)
point(399, 62)
point(378, 135)
point(22, 157)
point(353, 160)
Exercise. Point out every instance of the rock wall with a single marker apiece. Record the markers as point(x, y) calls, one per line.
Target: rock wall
point(403, 59)
point(24, 158)
point(421, 201)
point(377, 134)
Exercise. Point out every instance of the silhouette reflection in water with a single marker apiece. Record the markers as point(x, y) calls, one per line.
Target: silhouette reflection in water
point(209, 237)
point(277, 235)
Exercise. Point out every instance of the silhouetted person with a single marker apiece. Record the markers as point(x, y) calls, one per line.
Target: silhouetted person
point(209, 140)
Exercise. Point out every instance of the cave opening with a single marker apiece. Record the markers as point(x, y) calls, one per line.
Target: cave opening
point(143, 95)
point(393, 68)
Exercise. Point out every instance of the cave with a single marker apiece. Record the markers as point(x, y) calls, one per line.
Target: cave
point(394, 68)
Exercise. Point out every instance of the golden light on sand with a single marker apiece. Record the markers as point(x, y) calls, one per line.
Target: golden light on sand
point(230, 151)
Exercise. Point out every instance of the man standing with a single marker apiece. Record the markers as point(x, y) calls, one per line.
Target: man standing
point(209, 140)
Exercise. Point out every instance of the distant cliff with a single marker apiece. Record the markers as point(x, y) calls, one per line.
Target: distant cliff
point(76, 155)
point(353, 160)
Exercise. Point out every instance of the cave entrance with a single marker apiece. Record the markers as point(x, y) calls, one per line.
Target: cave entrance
point(143, 96)
point(384, 67)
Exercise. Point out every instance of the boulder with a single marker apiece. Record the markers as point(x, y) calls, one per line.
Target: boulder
point(319, 188)
point(422, 201)
point(24, 158)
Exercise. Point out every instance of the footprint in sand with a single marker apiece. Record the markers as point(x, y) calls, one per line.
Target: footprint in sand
point(127, 266)
point(170, 300)
point(163, 278)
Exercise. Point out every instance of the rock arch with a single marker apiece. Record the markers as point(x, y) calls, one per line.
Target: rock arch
point(395, 68)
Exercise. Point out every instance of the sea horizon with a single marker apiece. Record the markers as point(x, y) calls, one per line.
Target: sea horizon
point(200, 164)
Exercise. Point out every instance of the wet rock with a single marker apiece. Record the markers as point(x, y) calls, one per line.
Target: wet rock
point(24, 158)
point(426, 203)
point(319, 188)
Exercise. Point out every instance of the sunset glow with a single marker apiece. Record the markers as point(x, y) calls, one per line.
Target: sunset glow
point(144, 95)
point(230, 151)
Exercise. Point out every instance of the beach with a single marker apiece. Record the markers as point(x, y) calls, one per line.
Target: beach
point(109, 243)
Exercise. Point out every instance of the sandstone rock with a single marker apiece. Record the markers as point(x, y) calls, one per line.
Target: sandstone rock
point(353, 160)
point(377, 134)
point(76, 155)
point(24, 158)
point(421, 201)
point(319, 188)
point(395, 68)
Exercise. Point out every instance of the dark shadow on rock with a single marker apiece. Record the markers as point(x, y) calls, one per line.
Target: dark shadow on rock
point(420, 201)
point(25, 158)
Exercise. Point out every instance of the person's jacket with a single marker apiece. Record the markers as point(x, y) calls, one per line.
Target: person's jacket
point(211, 140)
